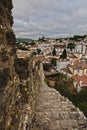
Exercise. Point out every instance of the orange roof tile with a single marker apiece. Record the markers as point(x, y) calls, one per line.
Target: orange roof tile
point(60, 46)
point(80, 65)
point(75, 61)
point(80, 78)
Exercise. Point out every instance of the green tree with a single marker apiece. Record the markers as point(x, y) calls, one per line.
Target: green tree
point(71, 46)
point(42, 39)
point(64, 54)
point(53, 61)
point(54, 51)
point(38, 51)
point(32, 43)
point(20, 47)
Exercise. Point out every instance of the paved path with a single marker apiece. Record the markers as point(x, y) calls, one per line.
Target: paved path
point(55, 112)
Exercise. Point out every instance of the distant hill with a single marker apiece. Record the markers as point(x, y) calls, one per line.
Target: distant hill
point(24, 40)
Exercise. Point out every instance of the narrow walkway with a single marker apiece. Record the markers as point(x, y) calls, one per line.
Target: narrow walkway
point(55, 112)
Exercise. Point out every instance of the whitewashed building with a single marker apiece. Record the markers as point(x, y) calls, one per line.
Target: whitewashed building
point(79, 68)
point(60, 48)
point(45, 47)
point(61, 64)
point(81, 47)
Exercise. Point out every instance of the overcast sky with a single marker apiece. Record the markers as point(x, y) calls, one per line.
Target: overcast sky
point(50, 18)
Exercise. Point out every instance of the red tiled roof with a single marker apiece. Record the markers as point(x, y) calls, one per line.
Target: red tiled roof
point(52, 83)
point(80, 78)
point(80, 65)
point(60, 46)
point(75, 61)
point(67, 70)
point(46, 42)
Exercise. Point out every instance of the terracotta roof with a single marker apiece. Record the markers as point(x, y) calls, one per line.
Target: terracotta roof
point(63, 60)
point(75, 61)
point(46, 42)
point(80, 78)
point(52, 83)
point(80, 65)
point(60, 46)
point(67, 70)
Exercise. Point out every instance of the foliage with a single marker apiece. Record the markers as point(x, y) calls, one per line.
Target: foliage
point(32, 43)
point(83, 107)
point(82, 96)
point(77, 37)
point(47, 81)
point(20, 47)
point(54, 51)
point(71, 46)
point(53, 61)
point(38, 51)
point(56, 39)
point(64, 54)
point(41, 39)
point(79, 100)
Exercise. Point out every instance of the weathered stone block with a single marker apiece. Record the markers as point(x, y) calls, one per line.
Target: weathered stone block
point(4, 77)
point(21, 67)
point(10, 37)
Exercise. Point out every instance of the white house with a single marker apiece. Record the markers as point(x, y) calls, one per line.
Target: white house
point(80, 68)
point(81, 47)
point(59, 48)
point(61, 64)
point(47, 51)
point(44, 46)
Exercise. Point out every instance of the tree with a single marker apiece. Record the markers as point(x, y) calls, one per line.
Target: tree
point(71, 46)
point(54, 51)
point(20, 47)
point(53, 61)
point(38, 51)
point(32, 43)
point(42, 39)
point(64, 54)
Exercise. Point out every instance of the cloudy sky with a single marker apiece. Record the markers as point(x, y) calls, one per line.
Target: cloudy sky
point(50, 18)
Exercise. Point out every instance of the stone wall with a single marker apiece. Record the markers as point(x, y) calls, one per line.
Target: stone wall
point(7, 42)
point(17, 108)
point(18, 78)
point(7, 54)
